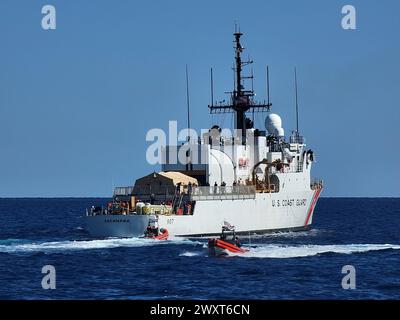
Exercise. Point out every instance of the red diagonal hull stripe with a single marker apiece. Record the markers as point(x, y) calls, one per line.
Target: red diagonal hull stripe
point(312, 205)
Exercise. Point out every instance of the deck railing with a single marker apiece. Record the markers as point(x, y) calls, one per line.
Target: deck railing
point(196, 193)
point(143, 190)
point(223, 193)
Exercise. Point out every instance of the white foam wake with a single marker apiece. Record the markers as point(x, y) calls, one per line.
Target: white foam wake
point(287, 234)
point(190, 254)
point(24, 246)
point(283, 251)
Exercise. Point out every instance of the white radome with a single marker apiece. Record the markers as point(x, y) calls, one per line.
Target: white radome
point(273, 123)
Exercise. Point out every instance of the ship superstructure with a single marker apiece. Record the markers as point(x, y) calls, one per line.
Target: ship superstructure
point(255, 179)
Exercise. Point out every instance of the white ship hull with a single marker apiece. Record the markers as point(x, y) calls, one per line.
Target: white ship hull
point(268, 212)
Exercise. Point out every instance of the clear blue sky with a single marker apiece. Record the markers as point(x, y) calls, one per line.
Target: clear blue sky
point(76, 102)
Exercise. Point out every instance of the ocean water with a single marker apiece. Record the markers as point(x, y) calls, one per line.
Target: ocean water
point(363, 233)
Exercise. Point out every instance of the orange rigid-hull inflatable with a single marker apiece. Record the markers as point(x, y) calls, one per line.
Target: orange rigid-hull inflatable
point(163, 235)
point(220, 247)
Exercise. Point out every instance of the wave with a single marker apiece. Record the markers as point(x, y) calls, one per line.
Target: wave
point(26, 246)
point(280, 251)
point(287, 234)
point(283, 251)
point(11, 241)
point(191, 254)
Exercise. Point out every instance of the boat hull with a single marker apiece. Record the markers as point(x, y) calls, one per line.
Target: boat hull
point(268, 212)
point(217, 252)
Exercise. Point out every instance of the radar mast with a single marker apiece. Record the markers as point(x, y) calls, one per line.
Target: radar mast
point(242, 100)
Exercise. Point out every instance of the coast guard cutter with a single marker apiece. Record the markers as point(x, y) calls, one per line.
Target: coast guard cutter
point(257, 180)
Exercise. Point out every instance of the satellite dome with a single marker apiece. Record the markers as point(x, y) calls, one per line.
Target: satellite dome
point(273, 123)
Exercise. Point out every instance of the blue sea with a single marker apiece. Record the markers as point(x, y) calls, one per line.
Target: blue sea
point(363, 233)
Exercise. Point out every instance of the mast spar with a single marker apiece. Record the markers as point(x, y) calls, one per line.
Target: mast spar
point(242, 100)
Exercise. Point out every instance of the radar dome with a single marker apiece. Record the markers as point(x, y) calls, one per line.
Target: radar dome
point(273, 123)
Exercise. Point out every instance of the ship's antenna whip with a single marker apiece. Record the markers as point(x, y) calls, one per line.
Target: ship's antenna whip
point(297, 104)
point(267, 88)
point(252, 89)
point(188, 102)
point(212, 88)
point(252, 80)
